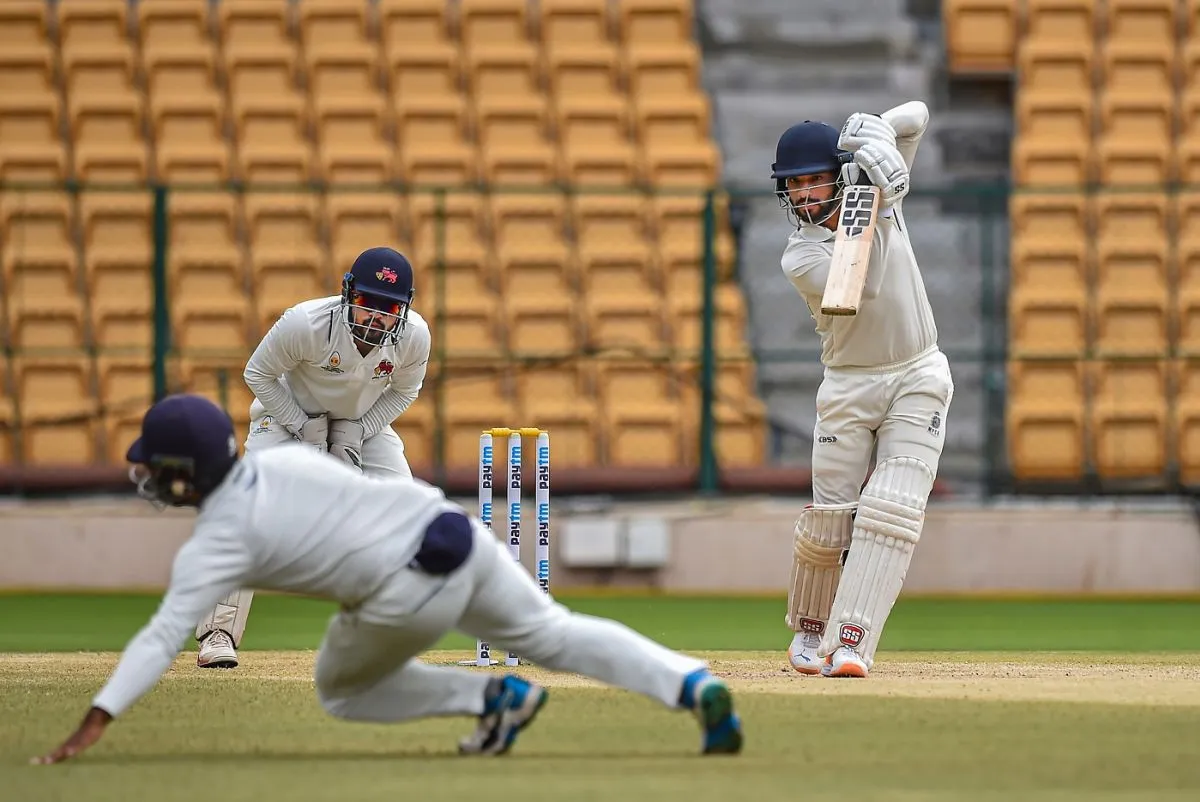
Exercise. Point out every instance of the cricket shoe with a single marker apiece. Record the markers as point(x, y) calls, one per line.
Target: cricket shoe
point(710, 699)
point(509, 706)
point(802, 653)
point(844, 662)
point(216, 651)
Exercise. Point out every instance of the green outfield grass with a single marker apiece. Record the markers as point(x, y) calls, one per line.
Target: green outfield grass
point(1077, 701)
point(105, 622)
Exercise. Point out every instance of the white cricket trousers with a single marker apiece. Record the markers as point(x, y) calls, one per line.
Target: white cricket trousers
point(901, 410)
point(383, 456)
point(366, 669)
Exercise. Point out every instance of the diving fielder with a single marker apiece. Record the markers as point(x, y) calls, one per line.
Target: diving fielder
point(886, 386)
point(405, 564)
point(332, 373)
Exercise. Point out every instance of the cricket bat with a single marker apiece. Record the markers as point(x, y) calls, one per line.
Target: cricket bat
point(851, 249)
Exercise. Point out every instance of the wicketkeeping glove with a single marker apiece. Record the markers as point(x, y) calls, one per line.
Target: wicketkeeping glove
point(314, 432)
point(346, 442)
point(860, 128)
point(886, 169)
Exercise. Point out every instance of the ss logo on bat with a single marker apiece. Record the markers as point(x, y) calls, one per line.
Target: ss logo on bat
point(856, 212)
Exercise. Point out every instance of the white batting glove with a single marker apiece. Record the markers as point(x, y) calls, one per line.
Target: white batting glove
point(860, 128)
point(346, 442)
point(884, 165)
point(313, 432)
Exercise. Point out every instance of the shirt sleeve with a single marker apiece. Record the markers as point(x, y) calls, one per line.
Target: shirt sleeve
point(212, 564)
point(910, 120)
point(403, 388)
point(284, 347)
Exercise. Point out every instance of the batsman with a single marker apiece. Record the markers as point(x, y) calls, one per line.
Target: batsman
point(886, 389)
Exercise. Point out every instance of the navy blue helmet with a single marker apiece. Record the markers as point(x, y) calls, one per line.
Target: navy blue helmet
point(376, 296)
point(185, 450)
point(808, 148)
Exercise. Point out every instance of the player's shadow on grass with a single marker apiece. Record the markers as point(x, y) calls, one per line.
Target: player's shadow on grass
point(399, 755)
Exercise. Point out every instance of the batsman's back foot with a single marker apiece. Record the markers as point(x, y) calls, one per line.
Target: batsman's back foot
point(845, 663)
point(217, 651)
point(510, 705)
point(802, 655)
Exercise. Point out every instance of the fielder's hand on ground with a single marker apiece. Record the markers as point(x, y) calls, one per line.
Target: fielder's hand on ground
point(90, 730)
point(346, 441)
point(860, 128)
point(884, 165)
point(314, 432)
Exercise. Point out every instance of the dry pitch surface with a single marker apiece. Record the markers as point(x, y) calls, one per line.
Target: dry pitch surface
point(935, 726)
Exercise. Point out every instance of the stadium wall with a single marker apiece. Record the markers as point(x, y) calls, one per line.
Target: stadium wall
point(722, 546)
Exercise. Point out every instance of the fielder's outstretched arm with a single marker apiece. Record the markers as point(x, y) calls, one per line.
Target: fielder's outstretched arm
point(285, 346)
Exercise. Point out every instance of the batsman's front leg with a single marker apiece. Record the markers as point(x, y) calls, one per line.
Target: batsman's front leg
point(220, 632)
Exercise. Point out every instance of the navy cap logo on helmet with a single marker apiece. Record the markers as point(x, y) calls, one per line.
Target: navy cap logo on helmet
point(386, 274)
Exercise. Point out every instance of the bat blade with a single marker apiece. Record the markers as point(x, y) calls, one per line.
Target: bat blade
point(851, 251)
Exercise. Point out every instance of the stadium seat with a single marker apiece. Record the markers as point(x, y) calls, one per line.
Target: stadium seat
point(1139, 69)
point(8, 416)
point(249, 26)
point(336, 26)
point(285, 252)
point(529, 224)
point(476, 396)
point(493, 24)
point(58, 409)
point(178, 26)
point(1057, 66)
point(649, 23)
point(594, 142)
point(107, 132)
point(543, 324)
point(674, 144)
point(41, 273)
point(665, 70)
point(611, 276)
point(272, 143)
point(30, 147)
point(27, 71)
point(1055, 117)
point(1129, 419)
point(507, 72)
point(568, 24)
point(740, 417)
point(126, 386)
point(640, 412)
point(356, 222)
point(514, 140)
point(93, 25)
point(414, 24)
point(1186, 423)
point(219, 379)
point(189, 136)
point(611, 224)
point(452, 227)
point(583, 71)
point(1153, 22)
point(980, 34)
point(118, 252)
point(1045, 420)
point(423, 72)
point(1131, 282)
point(1070, 21)
point(354, 146)
point(344, 77)
point(627, 323)
point(1048, 300)
point(431, 139)
point(1187, 294)
point(729, 324)
point(24, 26)
point(254, 77)
point(559, 398)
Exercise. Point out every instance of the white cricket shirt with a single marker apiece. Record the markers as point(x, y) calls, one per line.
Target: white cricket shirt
point(308, 363)
point(286, 519)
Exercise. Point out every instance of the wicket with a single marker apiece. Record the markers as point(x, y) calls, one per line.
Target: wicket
point(483, 650)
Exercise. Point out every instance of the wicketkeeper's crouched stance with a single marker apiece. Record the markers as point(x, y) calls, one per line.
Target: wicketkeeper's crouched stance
point(886, 386)
point(332, 373)
point(405, 565)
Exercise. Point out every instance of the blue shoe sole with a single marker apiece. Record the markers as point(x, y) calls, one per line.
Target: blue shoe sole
point(722, 727)
point(511, 736)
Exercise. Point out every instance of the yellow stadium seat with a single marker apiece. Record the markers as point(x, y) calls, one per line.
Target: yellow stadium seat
point(1153, 22)
point(1192, 10)
point(24, 26)
point(118, 250)
point(254, 77)
point(178, 26)
point(679, 223)
point(336, 25)
point(663, 69)
point(58, 409)
point(1132, 282)
point(1186, 424)
point(1072, 21)
point(514, 140)
point(431, 139)
point(1187, 294)
point(739, 415)
point(543, 324)
point(626, 323)
point(248, 26)
point(529, 224)
point(1129, 419)
point(729, 323)
point(611, 224)
point(424, 71)
point(1048, 301)
point(219, 379)
point(493, 24)
point(1048, 163)
point(272, 143)
point(641, 414)
point(126, 391)
point(95, 25)
point(654, 22)
point(1139, 69)
point(503, 72)
point(30, 147)
point(674, 142)
point(26, 71)
point(356, 222)
point(1045, 420)
point(533, 279)
point(285, 253)
point(594, 141)
point(204, 231)
point(477, 395)
point(1056, 66)
point(1057, 117)
point(107, 132)
point(354, 146)
point(344, 76)
point(574, 23)
point(408, 24)
point(980, 34)
point(189, 140)
point(559, 399)
point(609, 276)
point(41, 273)
point(455, 231)
point(583, 71)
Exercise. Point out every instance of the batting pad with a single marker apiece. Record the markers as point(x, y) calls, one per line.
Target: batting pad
point(891, 512)
point(230, 614)
point(822, 534)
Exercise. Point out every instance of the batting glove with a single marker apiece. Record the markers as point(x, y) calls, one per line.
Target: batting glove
point(860, 129)
point(886, 169)
point(346, 442)
point(313, 432)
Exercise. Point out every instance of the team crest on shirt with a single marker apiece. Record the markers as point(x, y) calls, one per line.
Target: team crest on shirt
point(383, 370)
point(333, 364)
point(264, 425)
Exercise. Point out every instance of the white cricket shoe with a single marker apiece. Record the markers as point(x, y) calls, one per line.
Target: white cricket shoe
point(802, 653)
point(216, 651)
point(845, 662)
